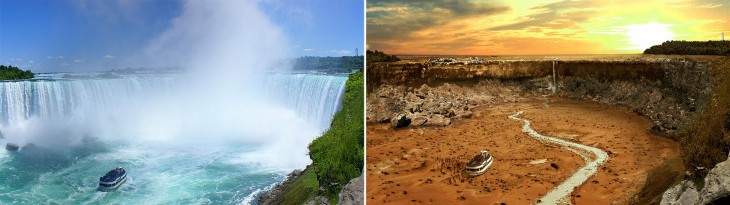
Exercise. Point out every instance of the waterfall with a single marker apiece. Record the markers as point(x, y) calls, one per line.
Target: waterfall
point(312, 97)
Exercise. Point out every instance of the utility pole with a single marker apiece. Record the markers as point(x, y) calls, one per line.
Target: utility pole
point(723, 36)
point(555, 85)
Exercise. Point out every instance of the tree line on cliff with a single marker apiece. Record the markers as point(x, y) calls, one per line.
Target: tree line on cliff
point(14, 73)
point(379, 56)
point(691, 48)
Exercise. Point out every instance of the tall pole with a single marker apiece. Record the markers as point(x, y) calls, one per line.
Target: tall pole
point(555, 85)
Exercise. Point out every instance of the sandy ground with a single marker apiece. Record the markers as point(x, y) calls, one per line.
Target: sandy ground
point(425, 165)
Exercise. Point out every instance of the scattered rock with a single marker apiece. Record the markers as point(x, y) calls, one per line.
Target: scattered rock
point(437, 120)
point(399, 121)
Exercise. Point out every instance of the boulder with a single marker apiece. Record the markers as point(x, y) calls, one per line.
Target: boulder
point(12, 147)
point(437, 120)
point(400, 120)
point(717, 183)
point(684, 193)
point(352, 193)
point(716, 187)
point(418, 120)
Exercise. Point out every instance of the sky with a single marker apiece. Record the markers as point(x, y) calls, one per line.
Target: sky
point(512, 27)
point(95, 35)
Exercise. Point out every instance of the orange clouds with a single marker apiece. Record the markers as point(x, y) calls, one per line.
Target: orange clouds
point(463, 27)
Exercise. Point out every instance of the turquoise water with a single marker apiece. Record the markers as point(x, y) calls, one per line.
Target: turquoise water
point(80, 135)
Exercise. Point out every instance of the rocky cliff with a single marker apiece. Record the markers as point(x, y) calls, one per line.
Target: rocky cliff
point(667, 90)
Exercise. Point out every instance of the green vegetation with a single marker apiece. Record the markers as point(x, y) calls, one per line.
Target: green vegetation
point(379, 56)
point(14, 73)
point(691, 48)
point(337, 156)
point(303, 189)
point(344, 64)
point(706, 139)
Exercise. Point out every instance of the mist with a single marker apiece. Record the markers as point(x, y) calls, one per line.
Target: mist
point(224, 47)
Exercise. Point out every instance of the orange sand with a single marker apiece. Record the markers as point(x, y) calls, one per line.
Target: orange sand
point(425, 165)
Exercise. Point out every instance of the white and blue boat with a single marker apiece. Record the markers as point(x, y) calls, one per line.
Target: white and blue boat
point(113, 179)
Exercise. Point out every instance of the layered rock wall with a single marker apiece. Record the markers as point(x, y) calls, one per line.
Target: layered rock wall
point(666, 90)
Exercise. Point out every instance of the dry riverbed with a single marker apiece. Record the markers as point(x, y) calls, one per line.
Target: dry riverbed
point(424, 165)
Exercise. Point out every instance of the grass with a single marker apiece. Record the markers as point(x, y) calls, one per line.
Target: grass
point(337, 156)
point(303, 189)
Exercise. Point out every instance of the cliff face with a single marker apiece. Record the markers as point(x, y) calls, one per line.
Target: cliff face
point(666, 90)
point(416, 74)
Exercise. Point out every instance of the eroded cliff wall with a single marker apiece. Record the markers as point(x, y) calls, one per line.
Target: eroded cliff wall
point(666, 90)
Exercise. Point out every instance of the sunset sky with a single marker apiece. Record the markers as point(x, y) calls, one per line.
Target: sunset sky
point(486, 27)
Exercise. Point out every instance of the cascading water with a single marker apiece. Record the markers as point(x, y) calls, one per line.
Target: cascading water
point(85, 126)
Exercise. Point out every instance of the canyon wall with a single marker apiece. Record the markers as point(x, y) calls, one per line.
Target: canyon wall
point(667, 90)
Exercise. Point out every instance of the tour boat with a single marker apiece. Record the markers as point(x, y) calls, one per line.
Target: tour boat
point(113, 179)
point(479, 164)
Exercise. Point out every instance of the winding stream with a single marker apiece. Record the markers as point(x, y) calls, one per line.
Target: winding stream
point(561, 193)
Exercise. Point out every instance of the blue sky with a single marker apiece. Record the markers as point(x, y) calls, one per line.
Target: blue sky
point(84, 35)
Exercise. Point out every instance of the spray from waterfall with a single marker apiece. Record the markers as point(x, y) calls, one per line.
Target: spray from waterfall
point(225, 48)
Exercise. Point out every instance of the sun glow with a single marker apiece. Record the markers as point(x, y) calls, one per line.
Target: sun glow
point(643, 36)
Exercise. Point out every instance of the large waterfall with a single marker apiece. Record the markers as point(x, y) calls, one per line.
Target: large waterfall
point(138, 121)
point(312, 96)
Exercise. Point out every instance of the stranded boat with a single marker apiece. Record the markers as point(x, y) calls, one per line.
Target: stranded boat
point(113, 179)
point(479, 164)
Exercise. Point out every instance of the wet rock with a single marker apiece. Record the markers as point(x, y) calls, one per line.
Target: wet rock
point(277, 193)
point(352, 192)
point(400, 120)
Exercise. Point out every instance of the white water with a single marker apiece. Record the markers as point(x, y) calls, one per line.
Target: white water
point(559, 194)
point(172, 154)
